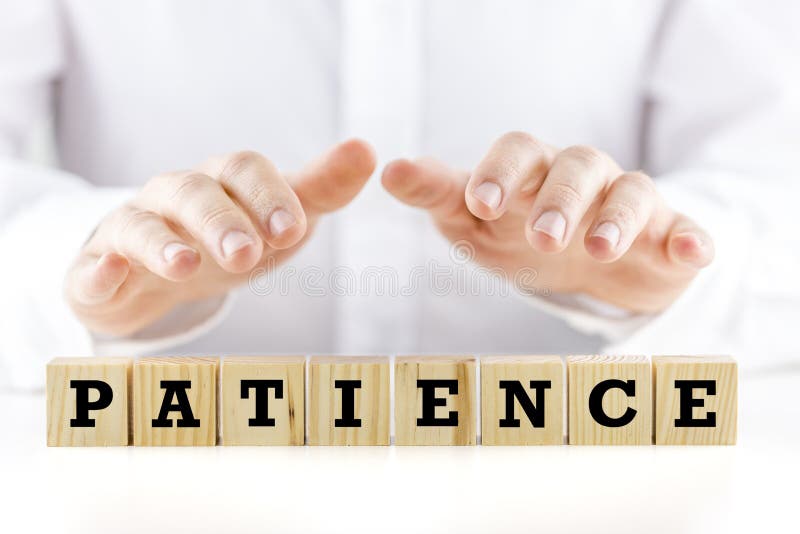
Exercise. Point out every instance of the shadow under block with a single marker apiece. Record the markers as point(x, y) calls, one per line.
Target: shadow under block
point(522, 400)
point(175, 401)
point(434, 400)
point(349, 401)
point(262, 400)
point(88, 402)
point(695, 400)
point(609, 400)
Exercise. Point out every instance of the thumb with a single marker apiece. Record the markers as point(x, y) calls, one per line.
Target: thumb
point(92, 281)
point(688, 244)
point(334, 179)
point(429, 185)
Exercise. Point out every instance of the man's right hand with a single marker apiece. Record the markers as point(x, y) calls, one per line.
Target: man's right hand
point(193, 234)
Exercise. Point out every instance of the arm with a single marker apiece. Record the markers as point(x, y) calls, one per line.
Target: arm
point(626, 255)
point(724, 136)
point(133, 265)
point(37, 203)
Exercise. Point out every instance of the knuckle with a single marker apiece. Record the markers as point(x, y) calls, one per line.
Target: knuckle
point(217, 216)
point(624, 214)
point(502, 166)
point(524, 139)
point(585, 155)
point(158, 183)
point(243, 161)
point(188, 187)
point(131, 219)
point(565, 194)
point(260, 196)
point(639, 182)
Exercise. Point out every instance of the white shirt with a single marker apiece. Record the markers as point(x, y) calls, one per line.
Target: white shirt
point(703, 95)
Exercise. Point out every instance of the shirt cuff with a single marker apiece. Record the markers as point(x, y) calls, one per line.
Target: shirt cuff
point(591, 316)
point(182, 324)
point(42, 239)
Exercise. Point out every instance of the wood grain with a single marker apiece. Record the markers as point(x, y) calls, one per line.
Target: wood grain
point(434, 401)
point(288, 412)
point(723, 372)
point(524, 369)
point(112, 424)
point(370, 400)
point(148, 397)
point(409, 400)
point(586, 372)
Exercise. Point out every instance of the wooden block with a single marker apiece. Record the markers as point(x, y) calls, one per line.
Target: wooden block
point(435, 400)
point(175, 401)
point(87, 402)
point(522, 400)
point(262, 400)
point(695, 400)
point(349, 401)
point(609, 400)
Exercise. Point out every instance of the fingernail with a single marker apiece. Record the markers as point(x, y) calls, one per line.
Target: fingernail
point(693, 237)
point(551, 223)
point(686, 246)
point(608, 231)
point(489, 193)
point(173, 249)
point(280, 221)
point(234, 241)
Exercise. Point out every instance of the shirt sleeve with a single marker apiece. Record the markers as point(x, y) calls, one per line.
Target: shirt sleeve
point(721, 136)
point(46, 215)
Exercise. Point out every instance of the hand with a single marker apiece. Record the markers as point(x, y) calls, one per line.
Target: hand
point(583, 223)
point(193, 234)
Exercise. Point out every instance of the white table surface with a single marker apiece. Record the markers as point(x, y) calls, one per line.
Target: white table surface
point(753, 486)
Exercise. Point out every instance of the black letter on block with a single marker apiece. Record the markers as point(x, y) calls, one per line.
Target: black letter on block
point(430, 401)
point(688, 402)
point(262, 417)
point(596, 402)
point(348, 388)
point(176, 389)
point(535, 414)
point(82, 404)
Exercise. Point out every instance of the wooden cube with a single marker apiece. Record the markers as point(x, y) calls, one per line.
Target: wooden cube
point(349, 401)
point(696, 400)
point(88, 402)
point(522, 400)
point(262, 400)
point(609, 400)
point(175, 401)
point(435, 400)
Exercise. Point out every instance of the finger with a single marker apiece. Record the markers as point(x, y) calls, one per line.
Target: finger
point(145, 237)
point(333, 180)
point(256, 185)
point(429, 185)
point(628, 205)
point(92, 280)
point(577, 176)
point(517, 162)
point(689, 245)
point(200, 205)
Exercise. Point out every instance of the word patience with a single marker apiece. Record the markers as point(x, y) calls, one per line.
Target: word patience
point(261, 400)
